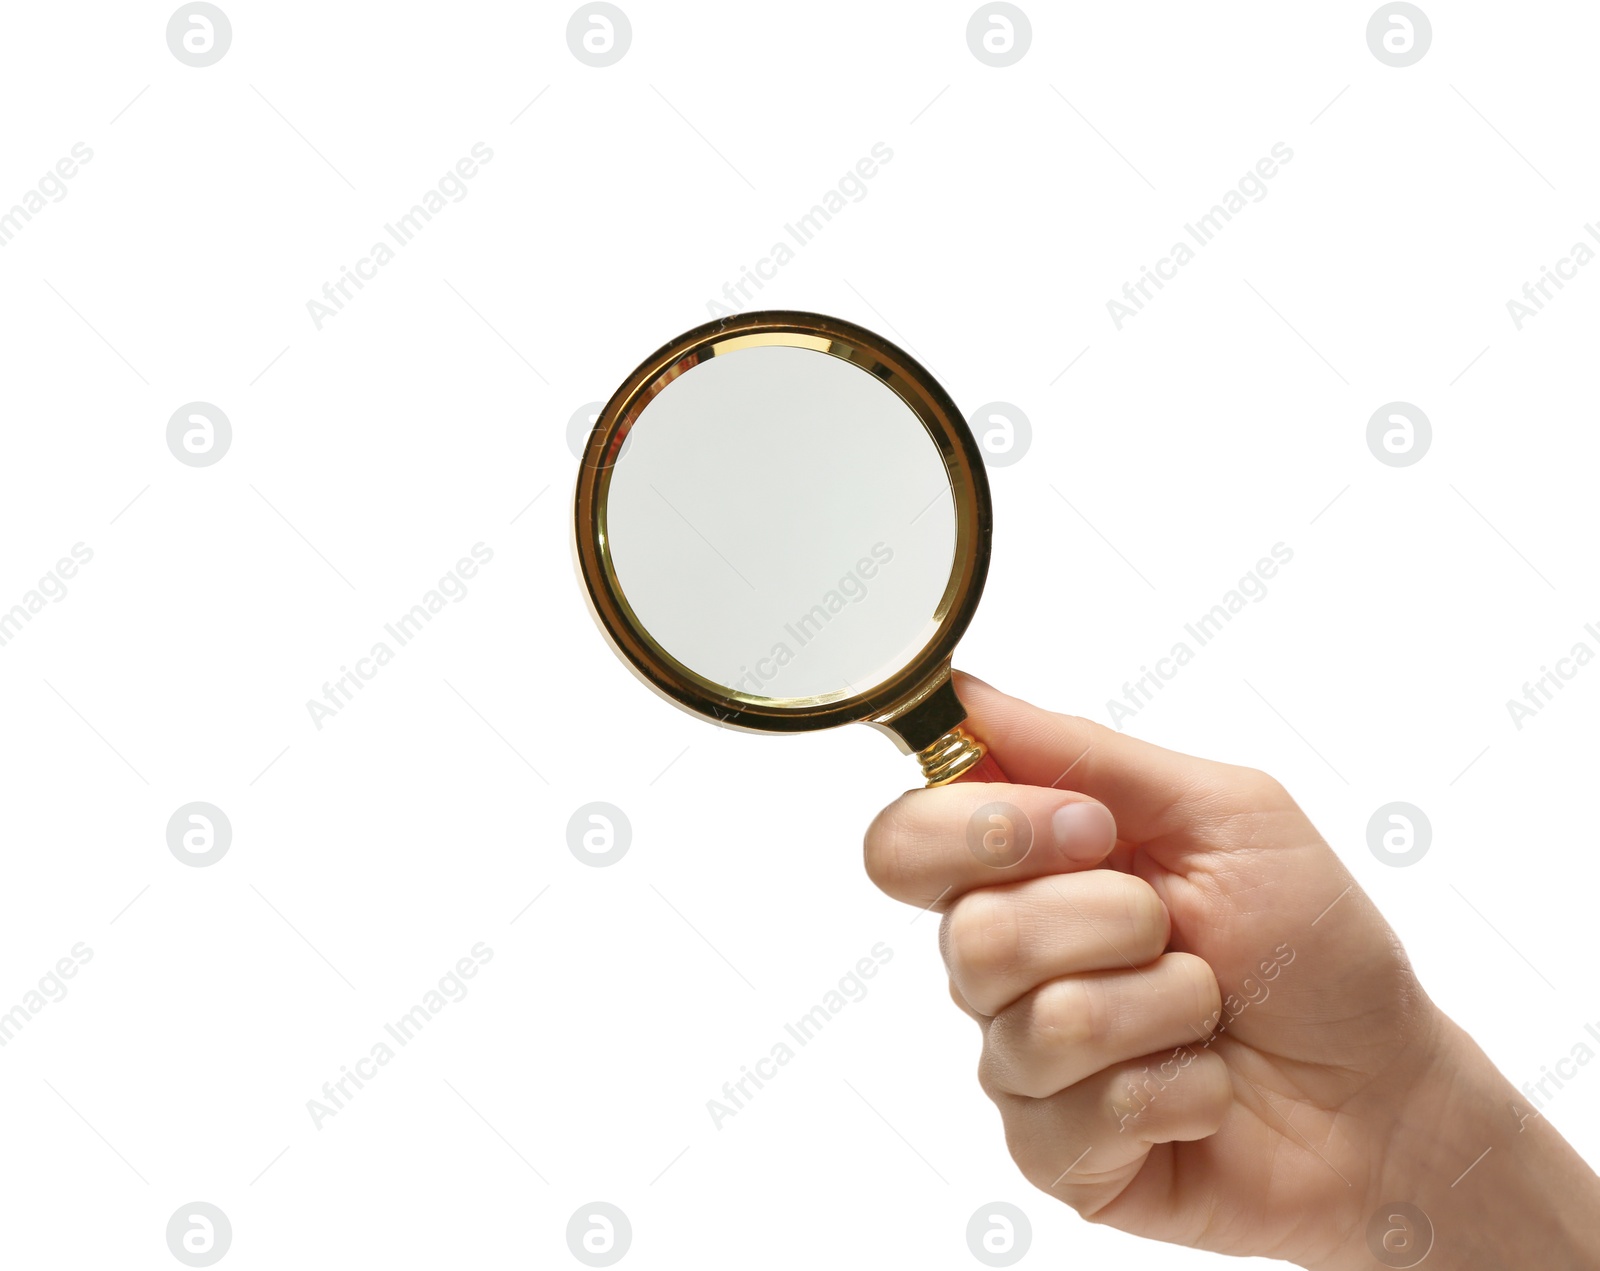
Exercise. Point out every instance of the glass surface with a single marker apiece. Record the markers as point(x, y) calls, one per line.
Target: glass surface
point(781, 523)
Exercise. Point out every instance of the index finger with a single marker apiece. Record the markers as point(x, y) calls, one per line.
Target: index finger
point(930, 847)
point(1151, 790)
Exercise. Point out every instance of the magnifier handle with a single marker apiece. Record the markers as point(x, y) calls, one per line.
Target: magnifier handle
point(986, 769)
point(953, 752)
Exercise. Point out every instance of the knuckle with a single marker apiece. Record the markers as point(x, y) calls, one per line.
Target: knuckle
point(984, 939)
point(1144, 911)
point(992, 1072)
point(999, 1070)
point(1066, 1014)
point(1185, 1100)
point(1200, 981)
point(883, 848)
point(1030, 1045)
point(1254, 789)
point(1078, 732)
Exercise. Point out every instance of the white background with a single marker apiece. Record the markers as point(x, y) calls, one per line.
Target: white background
point(368, 456)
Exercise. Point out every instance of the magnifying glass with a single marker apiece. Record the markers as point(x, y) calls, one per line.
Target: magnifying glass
point(782, 523)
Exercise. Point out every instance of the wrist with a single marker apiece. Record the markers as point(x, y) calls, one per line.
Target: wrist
point(1473, 1177)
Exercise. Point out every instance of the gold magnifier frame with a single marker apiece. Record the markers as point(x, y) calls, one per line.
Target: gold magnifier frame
point(917, 705)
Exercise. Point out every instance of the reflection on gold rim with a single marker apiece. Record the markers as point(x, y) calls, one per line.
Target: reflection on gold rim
point(920, 688)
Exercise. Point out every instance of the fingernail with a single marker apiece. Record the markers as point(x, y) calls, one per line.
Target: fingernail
point(1083, 830)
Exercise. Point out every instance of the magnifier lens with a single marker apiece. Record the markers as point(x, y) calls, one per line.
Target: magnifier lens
point(781, 523)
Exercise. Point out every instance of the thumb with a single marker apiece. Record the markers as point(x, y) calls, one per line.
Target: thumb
point(1151, 791)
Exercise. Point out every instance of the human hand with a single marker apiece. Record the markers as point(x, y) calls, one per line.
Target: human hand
point(1198, 1028)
